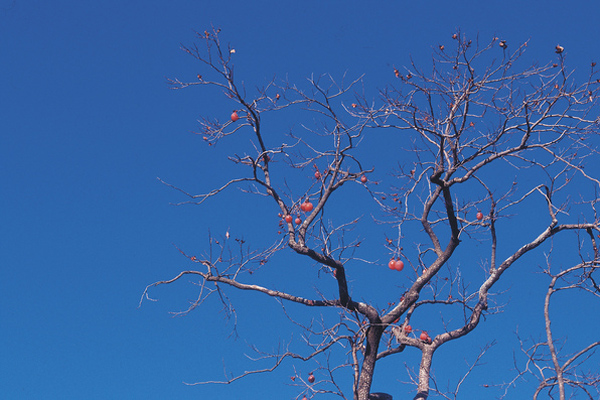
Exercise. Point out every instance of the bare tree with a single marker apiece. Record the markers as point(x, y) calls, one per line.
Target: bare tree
point(479, 126)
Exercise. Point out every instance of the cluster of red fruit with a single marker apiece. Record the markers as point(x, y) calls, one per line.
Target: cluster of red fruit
point(396, 264)
point(306, 206)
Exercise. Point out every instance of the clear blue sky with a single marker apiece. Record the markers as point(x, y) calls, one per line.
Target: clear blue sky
point(87, 123)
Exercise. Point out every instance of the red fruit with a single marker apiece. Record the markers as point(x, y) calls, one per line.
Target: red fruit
point(317, 175)
point(308, 206)
point(288, 218)
point(407, 329)
point(311, 378)
point(304, 398)
point(235, 116)
point(303, 207)
point(424, 336)
point(479, 216)
point(363, 179)
point(298, 221)
point(396, 265)
point(392, 264)
point(399, 265)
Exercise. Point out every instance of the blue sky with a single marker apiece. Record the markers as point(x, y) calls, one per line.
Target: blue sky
point(87, 123)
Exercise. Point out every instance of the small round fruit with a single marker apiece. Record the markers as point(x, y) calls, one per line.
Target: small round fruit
point(311, 378)
point(407, 329)
point(235, 116)
point(424, 336)
point(317, 175)
point(479, 216)
point(303, 207)
point(399, 265)
point(308, 206)
point(288, 218)
point(298, 221)
point(392, 264)
point(363, 179)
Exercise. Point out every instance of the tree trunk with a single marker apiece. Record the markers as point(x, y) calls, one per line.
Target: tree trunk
point(368, 365)
point(424, 372)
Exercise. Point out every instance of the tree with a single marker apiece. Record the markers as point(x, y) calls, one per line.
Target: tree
point(489, 141)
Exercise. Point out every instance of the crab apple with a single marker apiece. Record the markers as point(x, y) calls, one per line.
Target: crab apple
point(424, 336)
point(298, 221)
point(407, 329)
point(288, 218)
point(363, 179)
point(311, 378)
point(234, 116)
point(399, 265)
point(317, 175)
point(479, 215)
point(392, 264)
point(303, 207)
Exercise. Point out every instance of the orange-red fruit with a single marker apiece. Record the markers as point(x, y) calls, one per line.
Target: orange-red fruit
point(396, 265)
point(363, 179)
point(408, 329)
point(317, 175)
point(303, 207)
point(298, 221)
point(424, 336)
point(399, 265)
point(288, 218)
point(308, 206)
point(479, 216)
point(311, 378)
point(235, 116)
